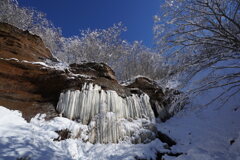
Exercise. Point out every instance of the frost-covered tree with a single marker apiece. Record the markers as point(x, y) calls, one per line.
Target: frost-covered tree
point(202, 38)
point(141, 60)
point(99, 45)
point(12, 14)
point(105, 45)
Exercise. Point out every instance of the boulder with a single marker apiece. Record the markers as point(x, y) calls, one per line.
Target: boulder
point(93, 69)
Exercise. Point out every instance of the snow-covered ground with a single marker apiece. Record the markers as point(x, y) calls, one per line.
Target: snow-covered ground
point(201, 134)
point(205, 134)
point(34, 140)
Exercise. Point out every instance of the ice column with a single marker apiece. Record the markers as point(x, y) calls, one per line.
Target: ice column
point(103, 109)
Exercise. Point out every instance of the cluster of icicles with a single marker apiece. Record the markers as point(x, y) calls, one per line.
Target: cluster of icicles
point(102, 109)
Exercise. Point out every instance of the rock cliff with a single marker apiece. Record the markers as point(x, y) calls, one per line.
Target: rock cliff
point(21, 44)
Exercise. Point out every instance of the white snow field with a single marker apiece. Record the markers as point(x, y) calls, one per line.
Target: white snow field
point(34, 140)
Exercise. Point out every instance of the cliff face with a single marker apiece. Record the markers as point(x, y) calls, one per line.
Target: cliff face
point(17, 87)
point(31, 86)
point(21, 44)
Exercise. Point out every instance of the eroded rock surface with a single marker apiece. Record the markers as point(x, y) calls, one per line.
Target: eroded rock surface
point(21, 44)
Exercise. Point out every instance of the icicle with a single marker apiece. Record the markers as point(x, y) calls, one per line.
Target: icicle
point(102, 109)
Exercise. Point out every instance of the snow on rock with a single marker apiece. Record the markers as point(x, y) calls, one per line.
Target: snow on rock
point(34, 140)
point(133, 79)
point(103, 111)
point(53, 65)
point(48, 64)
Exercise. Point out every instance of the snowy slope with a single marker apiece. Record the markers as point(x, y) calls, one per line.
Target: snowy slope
point(205, 134)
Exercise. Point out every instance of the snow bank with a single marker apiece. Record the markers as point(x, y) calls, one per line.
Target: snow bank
point(34, 140)
point(20, 139)
point(205, 133)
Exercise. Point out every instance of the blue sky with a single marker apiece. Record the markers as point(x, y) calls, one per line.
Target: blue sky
point(74, 15)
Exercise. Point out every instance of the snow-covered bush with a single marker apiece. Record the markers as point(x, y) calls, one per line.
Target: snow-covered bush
point(201, 39)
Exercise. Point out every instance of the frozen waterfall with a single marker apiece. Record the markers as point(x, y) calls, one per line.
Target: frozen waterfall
point(103, 111)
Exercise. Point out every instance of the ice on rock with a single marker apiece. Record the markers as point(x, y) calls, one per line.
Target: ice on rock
point(103, 110)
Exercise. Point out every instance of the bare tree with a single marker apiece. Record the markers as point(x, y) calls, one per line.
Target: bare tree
point(202, 35)
point(105, 45)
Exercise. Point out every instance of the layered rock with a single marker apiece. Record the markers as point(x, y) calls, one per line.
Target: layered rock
point(17, 87)
point(30, 87)
point(21, 44)
point(33, 87)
